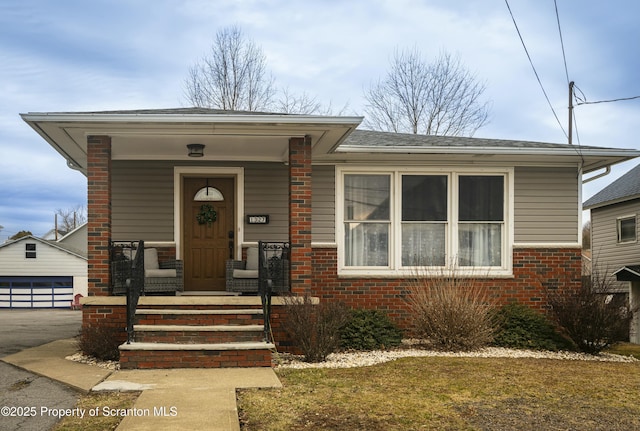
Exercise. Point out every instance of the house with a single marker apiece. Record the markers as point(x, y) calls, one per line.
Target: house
point(35, 273)
point(614, 238)
point(361, 210)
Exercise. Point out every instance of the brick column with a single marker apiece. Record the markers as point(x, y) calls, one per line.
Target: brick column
point(300, 214)
point(99, 213)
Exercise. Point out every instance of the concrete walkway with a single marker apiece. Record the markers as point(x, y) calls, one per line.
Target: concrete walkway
point(177, 399)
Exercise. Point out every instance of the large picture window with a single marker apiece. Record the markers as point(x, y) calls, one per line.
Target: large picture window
point(397, 221)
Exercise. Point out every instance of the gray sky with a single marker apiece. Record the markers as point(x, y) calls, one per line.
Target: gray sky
point(69, 55)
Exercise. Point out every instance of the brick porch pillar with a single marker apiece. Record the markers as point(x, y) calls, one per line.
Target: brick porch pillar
point(300, 214)
point(98, 213)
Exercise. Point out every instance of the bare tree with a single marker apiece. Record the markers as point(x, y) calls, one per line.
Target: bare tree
point(70, 218)
point(233, 76)
point(441, 98)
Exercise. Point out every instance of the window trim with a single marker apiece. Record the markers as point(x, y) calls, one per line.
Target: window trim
point(619, 220)
point(395, 268)
point(30, 250)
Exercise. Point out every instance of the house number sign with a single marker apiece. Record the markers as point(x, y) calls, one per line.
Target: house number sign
point(258, 219)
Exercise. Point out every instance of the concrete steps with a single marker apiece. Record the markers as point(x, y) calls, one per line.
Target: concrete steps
point(212, 337)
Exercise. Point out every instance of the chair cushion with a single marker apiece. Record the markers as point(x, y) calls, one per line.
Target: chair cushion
point(252, 258)
point(162, 273)
point(151, 259)
point(245, 273)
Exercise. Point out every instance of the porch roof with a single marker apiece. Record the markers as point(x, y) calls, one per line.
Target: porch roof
point(163, 134)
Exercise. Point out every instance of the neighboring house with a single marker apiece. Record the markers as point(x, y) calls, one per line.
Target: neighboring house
point(614, 237)
point(76, 239)
point(54, 235)
point(35, 273)
point(362, 210)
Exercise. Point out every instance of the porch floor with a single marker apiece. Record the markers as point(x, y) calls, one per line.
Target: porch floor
point(183, 300)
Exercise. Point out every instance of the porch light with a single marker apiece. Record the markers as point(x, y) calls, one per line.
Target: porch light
point(196, 150)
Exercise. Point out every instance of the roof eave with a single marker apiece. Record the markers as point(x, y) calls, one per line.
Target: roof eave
point(190, 118)
point(611, 202)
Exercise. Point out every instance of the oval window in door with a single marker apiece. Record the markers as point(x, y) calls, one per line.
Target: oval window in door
point(208, 194)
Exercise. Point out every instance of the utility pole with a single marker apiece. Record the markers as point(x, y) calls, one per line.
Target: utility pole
point(571, 84)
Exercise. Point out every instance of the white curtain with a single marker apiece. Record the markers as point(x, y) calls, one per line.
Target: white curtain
point(480, 244)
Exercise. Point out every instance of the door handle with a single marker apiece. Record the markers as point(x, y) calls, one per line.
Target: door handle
point(231, 244)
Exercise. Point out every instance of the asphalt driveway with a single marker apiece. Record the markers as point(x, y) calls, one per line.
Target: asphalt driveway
point(24, 396)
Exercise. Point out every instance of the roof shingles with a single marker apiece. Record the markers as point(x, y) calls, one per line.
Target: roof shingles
point(625, 188)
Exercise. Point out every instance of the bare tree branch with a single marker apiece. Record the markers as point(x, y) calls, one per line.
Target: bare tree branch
point(233, 76)
point(70, 218)
point(441, 98)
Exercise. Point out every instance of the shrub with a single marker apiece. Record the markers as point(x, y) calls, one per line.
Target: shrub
point(451, 312)
point(592, 319)
point(370, 330)
point(520, 327)
point(314, 328)
point(101, 342)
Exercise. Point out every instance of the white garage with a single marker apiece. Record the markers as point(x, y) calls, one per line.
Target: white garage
point(35, 273)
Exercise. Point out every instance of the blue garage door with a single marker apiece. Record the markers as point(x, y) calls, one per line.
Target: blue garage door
point(36, 292)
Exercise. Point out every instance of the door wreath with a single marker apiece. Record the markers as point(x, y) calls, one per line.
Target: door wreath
point(207, 215)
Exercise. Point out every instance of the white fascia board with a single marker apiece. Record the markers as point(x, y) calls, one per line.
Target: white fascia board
point(191, 118)
point(615, 152)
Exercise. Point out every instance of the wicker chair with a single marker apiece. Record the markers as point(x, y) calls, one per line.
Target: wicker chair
point(160, 277)
point(243, 275)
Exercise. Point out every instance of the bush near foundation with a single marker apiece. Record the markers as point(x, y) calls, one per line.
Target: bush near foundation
point(101, 342)
point(369, 330)
point(590, 316)
point(520, 327)
point(452, 312)
point(314, 327)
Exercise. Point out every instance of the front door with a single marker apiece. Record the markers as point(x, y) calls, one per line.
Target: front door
point(207, 243)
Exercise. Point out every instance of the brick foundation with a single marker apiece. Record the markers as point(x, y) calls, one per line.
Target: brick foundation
point(535, 271)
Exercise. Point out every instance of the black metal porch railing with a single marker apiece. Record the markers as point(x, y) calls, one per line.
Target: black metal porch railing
point(127, 271)
point(273, 275)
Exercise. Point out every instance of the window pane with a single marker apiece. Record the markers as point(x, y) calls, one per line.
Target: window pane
point(481, 198)
point(423, 244)
point(480, 244)
point(627, 229)
point(367, 244)
point(424, 198)
point(366, 197)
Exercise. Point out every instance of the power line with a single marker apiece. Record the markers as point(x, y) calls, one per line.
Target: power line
point(564, 57)
point(534, 68)
point(585, 102)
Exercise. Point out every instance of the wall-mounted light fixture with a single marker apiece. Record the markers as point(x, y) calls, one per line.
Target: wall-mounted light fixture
point(196, 150)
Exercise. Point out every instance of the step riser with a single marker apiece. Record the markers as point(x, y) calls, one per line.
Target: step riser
point(200, 320)
point(156, 359)
point(196, 338)
point(199, 337)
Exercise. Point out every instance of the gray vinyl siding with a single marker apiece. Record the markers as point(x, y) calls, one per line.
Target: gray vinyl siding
point(546, 202)
point(142, 200)
point(324, 204)
point(546, 205)
point(266, 191)
point(608, 255)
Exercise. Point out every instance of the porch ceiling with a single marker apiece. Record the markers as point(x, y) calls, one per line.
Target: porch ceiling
point(240, 137)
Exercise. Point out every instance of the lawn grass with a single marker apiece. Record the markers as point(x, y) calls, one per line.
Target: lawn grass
point(112, 400)
point(451, 394)
point(625, 349)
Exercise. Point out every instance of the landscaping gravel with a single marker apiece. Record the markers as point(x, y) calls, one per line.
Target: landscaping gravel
point(363, 359)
